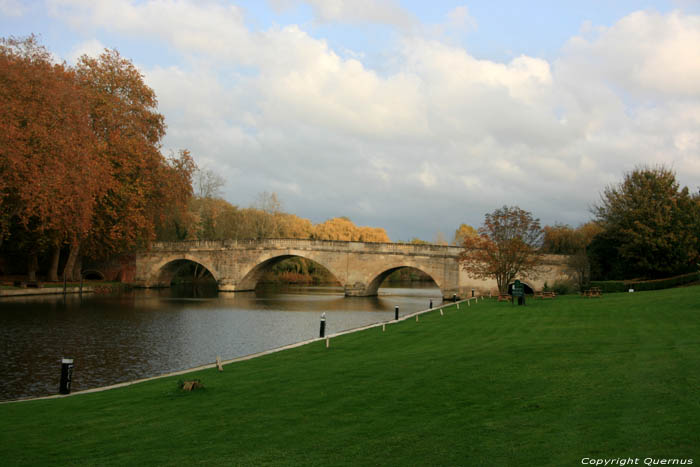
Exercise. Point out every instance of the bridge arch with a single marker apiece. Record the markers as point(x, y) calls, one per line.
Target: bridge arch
point(529, 289)
point(373, 285)
point(165, 271)
point(254, 275)
point(93, 275)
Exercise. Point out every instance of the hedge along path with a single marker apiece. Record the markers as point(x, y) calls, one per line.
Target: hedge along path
point(258, 354)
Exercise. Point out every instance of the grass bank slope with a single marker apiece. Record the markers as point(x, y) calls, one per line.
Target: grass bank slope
point(490, 384)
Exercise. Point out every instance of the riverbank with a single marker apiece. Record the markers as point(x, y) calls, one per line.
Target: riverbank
point(494, 384)
point(20, 292)
point(56, 288)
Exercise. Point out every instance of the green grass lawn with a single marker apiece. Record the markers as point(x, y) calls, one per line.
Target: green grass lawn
point(490, 384)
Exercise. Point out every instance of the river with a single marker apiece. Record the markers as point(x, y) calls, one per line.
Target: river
point(143, 333)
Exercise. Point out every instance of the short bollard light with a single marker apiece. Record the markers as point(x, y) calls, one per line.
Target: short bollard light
point(472, 292)
point(322, 332)
point(454, 298)
point(396, 312)
point(431, 303)
point(66, 375)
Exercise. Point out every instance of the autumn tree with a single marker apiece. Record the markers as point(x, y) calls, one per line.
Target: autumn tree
point(372, 235)
point(124, 119)
point(508, 246)
point(292, 226)
point(650, 227)
point(51, 169)
point(177, 222)
point(207, 183)
point(463, 232)
point(265, 215)
point(342, 228)
point(337, 228)
point(579, 262)
point(560, 239)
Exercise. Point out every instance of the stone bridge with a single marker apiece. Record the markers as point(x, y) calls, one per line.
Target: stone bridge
point(359, 267)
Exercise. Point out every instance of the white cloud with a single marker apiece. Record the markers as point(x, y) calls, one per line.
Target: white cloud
point(92, 48)
point(207, 27)
point(12, 8)
point(645, 52)
point(387, 12)
point(460, 19)
point(438, 135)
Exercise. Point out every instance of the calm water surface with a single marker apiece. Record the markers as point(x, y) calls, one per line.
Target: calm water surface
point(150, 332)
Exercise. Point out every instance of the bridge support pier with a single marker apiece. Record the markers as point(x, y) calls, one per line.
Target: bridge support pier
point(225, 286)
point(358, 289)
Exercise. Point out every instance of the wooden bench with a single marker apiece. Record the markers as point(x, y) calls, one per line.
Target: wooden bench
point(593, 292)
point(548, 295)
point(503, 297)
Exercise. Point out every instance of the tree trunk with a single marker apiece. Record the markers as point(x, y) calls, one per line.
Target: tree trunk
point(78, 269)
point(55, 257)
point(32, 266)
point(69, 268)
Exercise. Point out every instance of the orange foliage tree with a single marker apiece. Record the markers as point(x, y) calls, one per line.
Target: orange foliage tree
point(129, 129)
point(508, 246)
point(80, 160)
point(464, 231)
point(51, 169)
point(342, 228)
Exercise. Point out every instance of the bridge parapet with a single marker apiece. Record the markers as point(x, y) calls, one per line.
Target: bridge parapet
point(307, 244)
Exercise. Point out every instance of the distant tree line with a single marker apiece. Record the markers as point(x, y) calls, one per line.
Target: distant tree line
point(210, 217)
point(645, 227)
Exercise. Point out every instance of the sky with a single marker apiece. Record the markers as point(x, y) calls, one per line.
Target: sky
point(409, 115)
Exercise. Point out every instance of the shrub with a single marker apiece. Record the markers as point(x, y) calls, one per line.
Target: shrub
point(563, 287)
point(665, 283)
point(657, 284)
point(610, 286)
